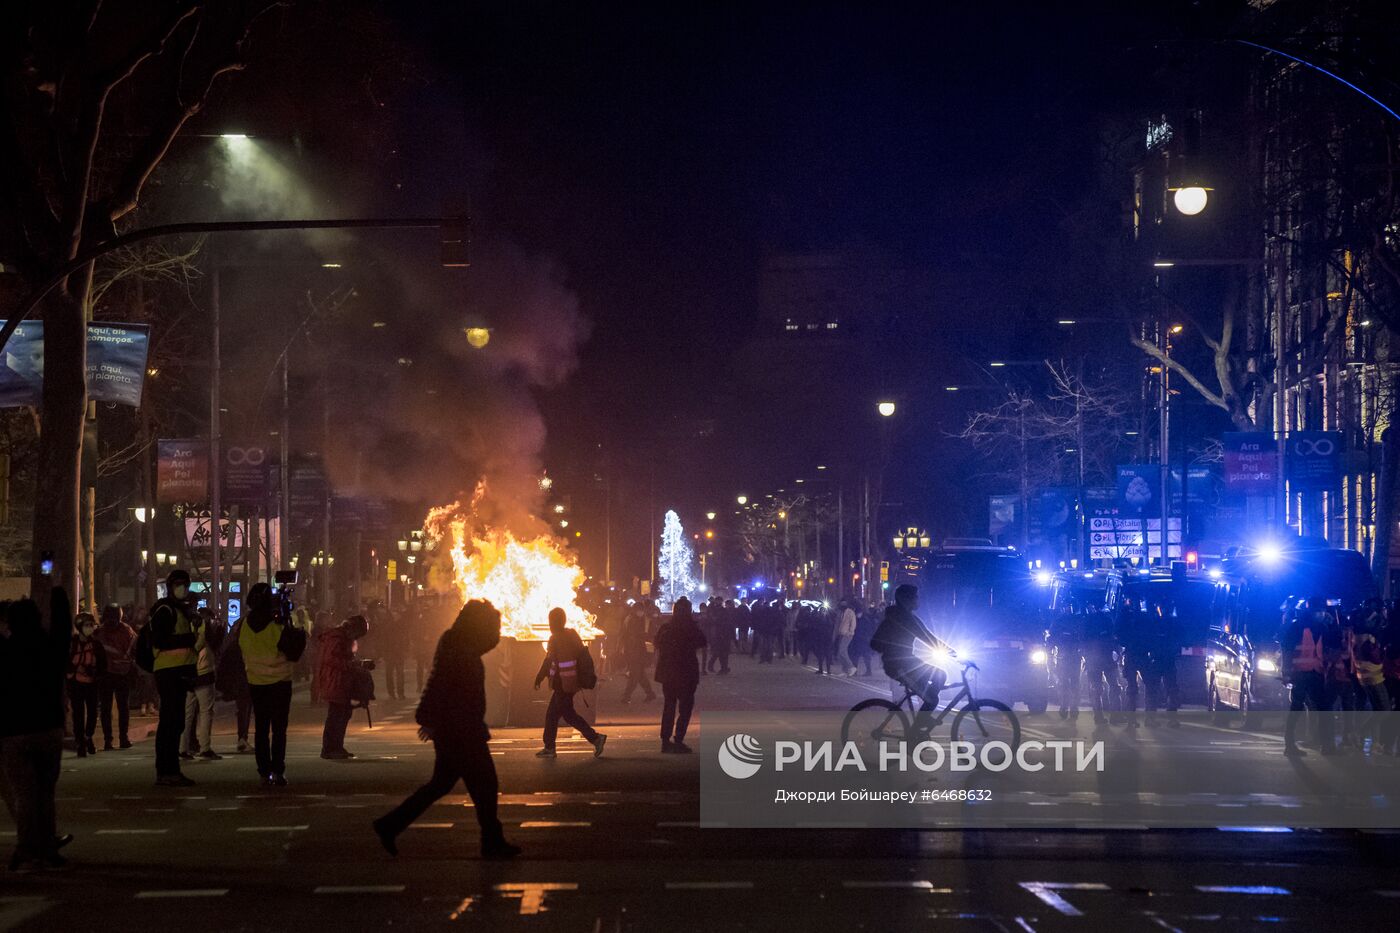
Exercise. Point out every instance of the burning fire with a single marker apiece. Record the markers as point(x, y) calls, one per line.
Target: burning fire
point(522, 577)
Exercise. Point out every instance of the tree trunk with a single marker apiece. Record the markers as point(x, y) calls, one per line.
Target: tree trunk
point(61, 441)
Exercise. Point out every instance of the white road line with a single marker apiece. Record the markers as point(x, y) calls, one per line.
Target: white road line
point(551, 824)
point(708, 885)
point(919, 885)
point(431, 825)
point(1242, 889)
point(358, 889)
point(185, 892)
point(1046, 891)
point(131, 832)
point(273, 829)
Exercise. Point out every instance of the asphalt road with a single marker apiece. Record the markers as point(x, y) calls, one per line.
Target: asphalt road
point(614, 844)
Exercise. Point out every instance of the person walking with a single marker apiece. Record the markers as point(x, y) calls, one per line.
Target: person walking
point(231, 683)
point(116, 639)
point(569, 668)
point(632, 640)
point(845, 634)
point(269, 659)
point(176, 636)
point(720, 637)
point(336, 674)
point(452, 715)
point(678, 672)
point(86, 666)
point(859, 651)
point(33, 665)
point(198, 739)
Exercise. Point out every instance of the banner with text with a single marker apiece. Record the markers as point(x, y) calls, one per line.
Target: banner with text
point(116, 364)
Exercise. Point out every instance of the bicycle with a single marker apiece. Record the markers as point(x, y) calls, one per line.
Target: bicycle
point(876, 720)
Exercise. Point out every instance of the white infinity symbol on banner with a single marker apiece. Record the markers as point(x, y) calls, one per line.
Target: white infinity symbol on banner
point(250, 456)
point(1306, 447)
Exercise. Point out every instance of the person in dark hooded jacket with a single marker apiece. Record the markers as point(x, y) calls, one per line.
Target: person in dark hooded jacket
point(678, 672)
point(33, 662)
point(452, 715)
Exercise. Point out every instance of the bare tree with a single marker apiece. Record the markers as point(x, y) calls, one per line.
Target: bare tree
point(70, 71)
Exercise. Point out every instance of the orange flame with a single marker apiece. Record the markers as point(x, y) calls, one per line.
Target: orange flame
point(522, 577)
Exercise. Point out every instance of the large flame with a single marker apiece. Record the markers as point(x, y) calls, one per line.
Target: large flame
point(522, 577)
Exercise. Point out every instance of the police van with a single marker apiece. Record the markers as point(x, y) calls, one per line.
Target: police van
point(1256, 588)
point(985, 602)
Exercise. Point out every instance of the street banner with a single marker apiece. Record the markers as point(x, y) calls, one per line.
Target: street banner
point(1140, 488)
point(1056, 513)
point(182, 471)
point(1001, 516)
point(348, 513)
point(116, 364)
point(306, 481)
point(245, 476)
point(1314, 459)
point(1251, 463)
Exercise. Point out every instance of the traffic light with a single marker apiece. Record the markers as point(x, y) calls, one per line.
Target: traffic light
point(1193, 559)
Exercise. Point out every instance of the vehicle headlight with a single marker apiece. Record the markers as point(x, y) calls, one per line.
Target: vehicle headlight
point(1266, 665)
point(1038, 656)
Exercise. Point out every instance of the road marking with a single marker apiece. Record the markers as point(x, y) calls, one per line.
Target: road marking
point(1242, 889)
point(1021, 922)
point(351, 806)
point(431, 825)
point(130, 832)
point(216, 809)
point(1046, 891)
point(17, 910)
point(919, 885)
point(1254, 829)
point(1389, 893)
point(272, 829)
point(551, 824)
point(532, 893)
point(708, 885)
point(185, 892)
point(160, 809)
point(358, 889)
point(95, 810)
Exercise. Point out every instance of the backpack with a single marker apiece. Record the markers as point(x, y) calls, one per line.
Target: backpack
point(142, 652)
point(587, 671)
point(566, 675)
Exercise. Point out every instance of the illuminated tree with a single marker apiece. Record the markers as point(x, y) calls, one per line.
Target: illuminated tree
point(675, 563)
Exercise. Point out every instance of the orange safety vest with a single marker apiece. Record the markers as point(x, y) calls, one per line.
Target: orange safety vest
point(83, 662)
point(1307, 656)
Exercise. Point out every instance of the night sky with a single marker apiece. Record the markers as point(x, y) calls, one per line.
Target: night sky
point(655, 154)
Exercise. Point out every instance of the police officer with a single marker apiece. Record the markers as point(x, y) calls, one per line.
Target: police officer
point(176, 637)
point(1101, 664)
point(1064, 639)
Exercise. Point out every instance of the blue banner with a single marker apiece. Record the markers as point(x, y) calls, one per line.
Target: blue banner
point(116, 364)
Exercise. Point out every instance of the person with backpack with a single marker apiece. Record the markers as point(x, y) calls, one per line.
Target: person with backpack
point(569, 669)
point(86, 666)
point(170, 643)
point(452, 715)
point(678, 672)
point(117, 639)
point(198, 737)
point(338, 673)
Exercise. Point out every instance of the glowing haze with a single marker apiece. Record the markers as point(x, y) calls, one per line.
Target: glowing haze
point(523, 577)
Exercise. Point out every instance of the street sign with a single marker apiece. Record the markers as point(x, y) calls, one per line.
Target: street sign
point(391, 572)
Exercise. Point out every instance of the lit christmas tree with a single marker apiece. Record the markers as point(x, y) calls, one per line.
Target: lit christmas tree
point(675, 562)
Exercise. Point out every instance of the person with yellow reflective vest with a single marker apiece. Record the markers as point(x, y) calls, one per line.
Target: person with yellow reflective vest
point(1304, 669)
point(176, 637)
point(269, 671)
point(1368, 664)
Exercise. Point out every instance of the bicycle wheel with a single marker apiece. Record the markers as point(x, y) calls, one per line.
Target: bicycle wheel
point(872, 722)
point(984, 721)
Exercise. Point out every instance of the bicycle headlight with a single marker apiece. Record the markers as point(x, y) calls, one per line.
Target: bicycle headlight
point(932, 654)
point(1038, 656)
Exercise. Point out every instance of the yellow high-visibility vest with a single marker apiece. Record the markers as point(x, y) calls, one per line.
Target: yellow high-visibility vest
point(175, 657)
point(262, 661)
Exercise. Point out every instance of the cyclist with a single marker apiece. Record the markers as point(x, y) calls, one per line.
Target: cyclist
point(908, 651)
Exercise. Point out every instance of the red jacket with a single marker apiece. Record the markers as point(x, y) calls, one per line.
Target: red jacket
point(333, 675)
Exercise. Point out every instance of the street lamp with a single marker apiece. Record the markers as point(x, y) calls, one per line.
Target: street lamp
point(742, 500)
point(886, 409)
point(710, 516)
point(1190, 200)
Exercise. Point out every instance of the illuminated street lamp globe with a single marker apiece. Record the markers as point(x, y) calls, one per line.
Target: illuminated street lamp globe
point(886, 409)
point(1191, 200)
point(478, 337)
point(742, 500)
